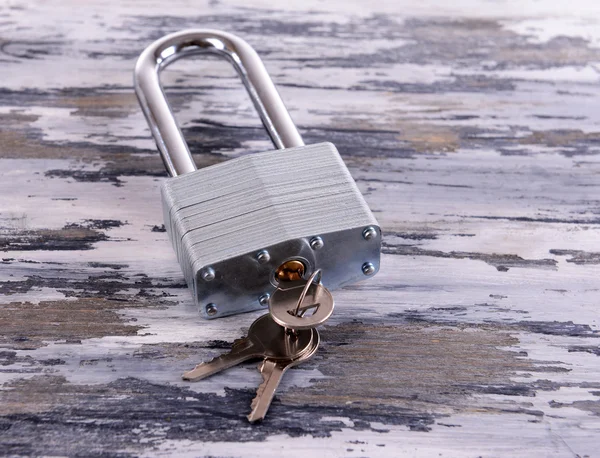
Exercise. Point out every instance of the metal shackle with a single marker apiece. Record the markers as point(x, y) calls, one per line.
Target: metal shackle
point(165, 130)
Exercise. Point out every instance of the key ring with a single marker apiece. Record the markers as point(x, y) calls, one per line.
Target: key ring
point(286, 302)
point(305, 290)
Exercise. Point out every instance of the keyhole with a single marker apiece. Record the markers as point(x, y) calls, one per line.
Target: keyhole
point(290, 271)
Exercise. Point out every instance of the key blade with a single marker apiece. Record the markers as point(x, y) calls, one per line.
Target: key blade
point(240, 352)
point(241, 342)
point(272, 372)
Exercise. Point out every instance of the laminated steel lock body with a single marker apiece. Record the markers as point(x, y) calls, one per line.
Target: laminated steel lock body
point(235, 226)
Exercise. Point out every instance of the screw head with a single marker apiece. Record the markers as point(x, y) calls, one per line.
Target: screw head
point(264, 299)
point(211, 309)
point(316, 243)
point(369, 233)
point(208, 274)
point(263, 256)
point(368, 269)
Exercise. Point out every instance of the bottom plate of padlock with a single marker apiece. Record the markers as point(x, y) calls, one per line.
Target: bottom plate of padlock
point(244, 283)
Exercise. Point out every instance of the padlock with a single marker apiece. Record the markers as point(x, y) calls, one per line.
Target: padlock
point(241, 227)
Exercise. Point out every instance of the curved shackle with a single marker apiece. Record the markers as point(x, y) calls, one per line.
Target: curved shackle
point(165, 130)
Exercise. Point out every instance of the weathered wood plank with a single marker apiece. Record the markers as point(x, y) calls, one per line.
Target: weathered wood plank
point(473, 131)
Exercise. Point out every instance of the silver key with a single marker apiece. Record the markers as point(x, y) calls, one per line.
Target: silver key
point(272, 371)
point(266, 339)
point(301, 304)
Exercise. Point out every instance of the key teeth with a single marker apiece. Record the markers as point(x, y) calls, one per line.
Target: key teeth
point(238, 346)
point(188, 377)
point(261, 387)
point(259, 392)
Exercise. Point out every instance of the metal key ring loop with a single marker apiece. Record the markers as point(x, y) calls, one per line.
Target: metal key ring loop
point(283, 304)
point(311, 279)
point(165, 130)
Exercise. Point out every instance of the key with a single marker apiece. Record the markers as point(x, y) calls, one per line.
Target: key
point(301, 304)
point(272, 371)
point(265, 339)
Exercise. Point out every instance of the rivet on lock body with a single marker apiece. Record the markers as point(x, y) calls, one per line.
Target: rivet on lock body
point(243, 227)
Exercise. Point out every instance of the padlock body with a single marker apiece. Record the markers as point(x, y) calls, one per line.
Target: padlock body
point(221, 217)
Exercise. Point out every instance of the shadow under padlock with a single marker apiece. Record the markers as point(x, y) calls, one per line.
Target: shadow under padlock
point(236, 224)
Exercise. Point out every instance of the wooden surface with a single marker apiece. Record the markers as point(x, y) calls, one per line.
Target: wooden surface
point(472, 128)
